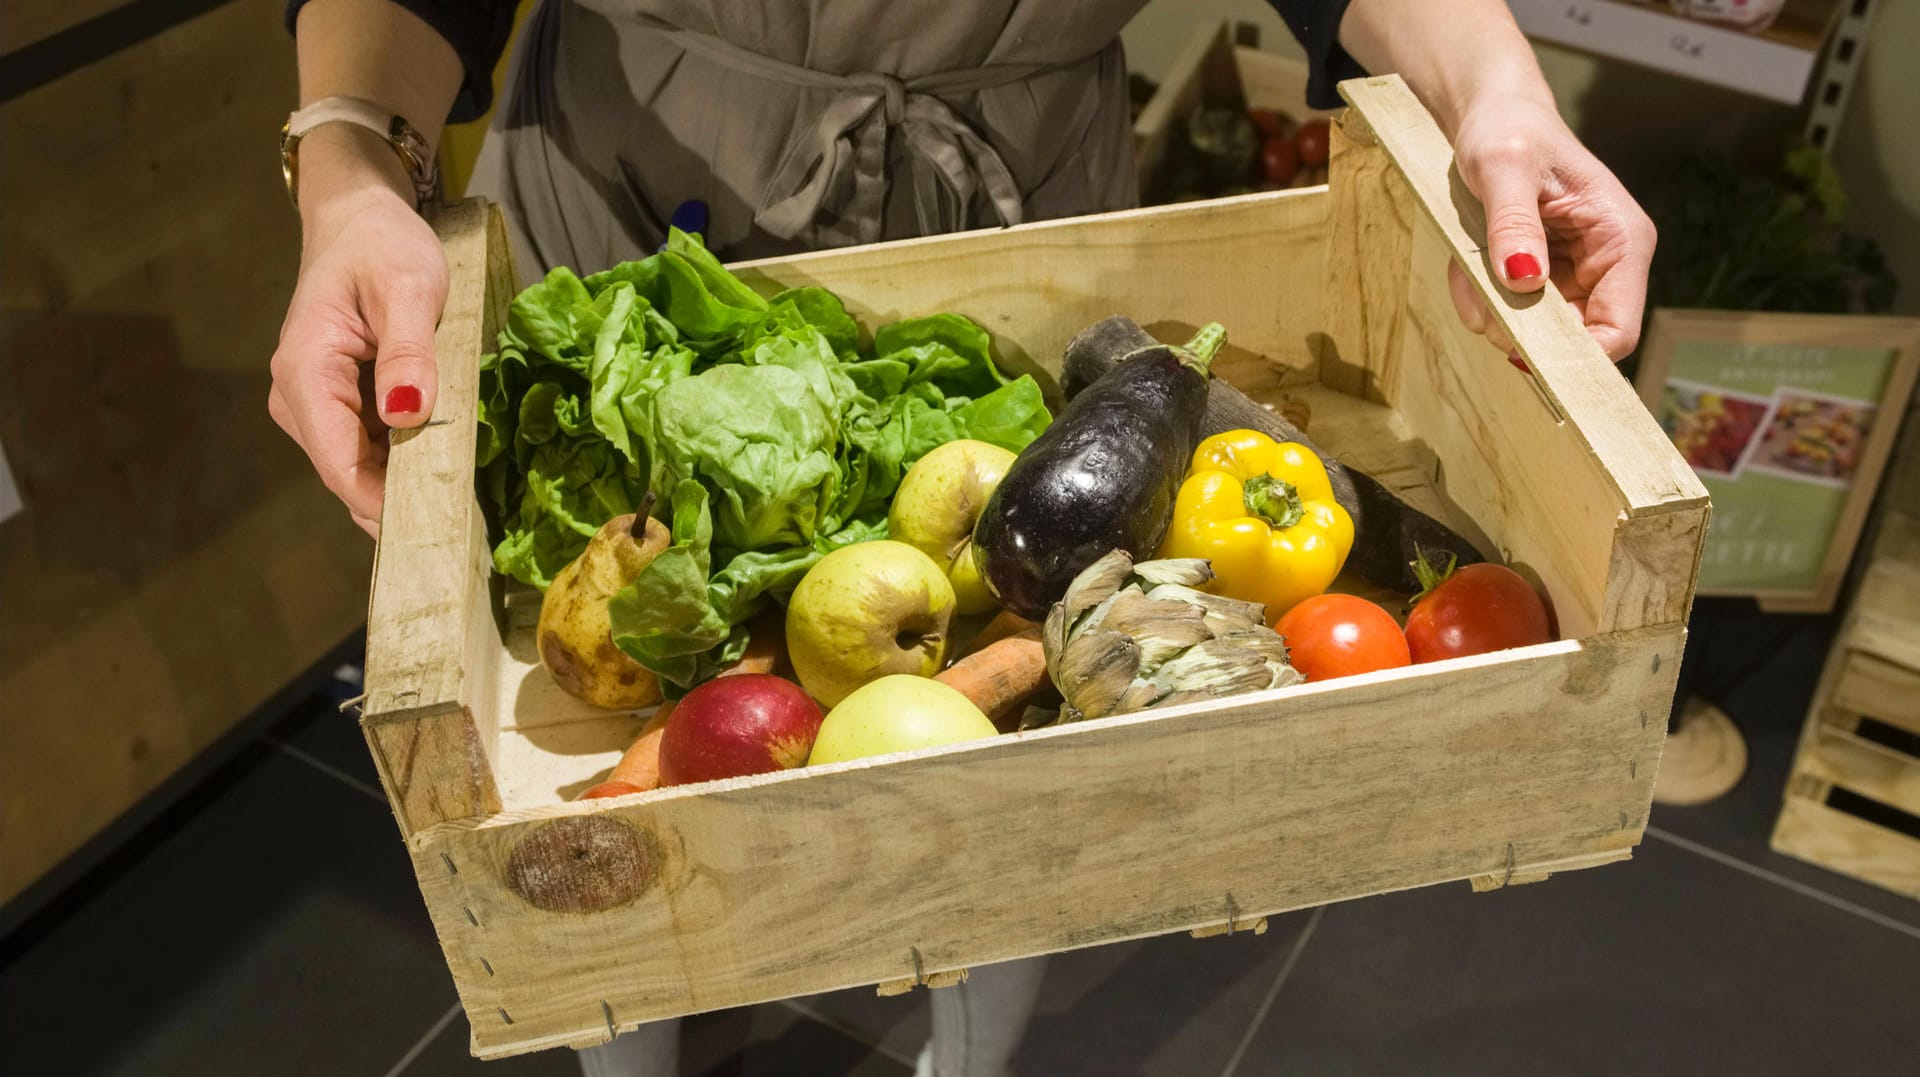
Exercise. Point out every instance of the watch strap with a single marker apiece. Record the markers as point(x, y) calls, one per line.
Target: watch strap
point(416, 156)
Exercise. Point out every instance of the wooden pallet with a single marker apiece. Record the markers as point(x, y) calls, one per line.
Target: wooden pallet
point(1852, 804)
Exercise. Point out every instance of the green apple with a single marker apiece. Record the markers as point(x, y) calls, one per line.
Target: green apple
point(897, 714)
point(937, 504)
point(865, 611)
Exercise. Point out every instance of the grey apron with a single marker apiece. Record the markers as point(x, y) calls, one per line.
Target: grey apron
point(804, 124)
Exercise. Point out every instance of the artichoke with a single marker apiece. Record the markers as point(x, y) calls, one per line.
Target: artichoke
point(1130, 636)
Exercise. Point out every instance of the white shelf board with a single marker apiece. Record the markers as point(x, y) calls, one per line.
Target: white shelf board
point(1697, 50)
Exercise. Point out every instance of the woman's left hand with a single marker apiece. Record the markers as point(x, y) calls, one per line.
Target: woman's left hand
point(1552, 210)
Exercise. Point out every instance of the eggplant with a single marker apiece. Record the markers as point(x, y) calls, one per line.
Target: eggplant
point(1389, 534)
point(1103, 477)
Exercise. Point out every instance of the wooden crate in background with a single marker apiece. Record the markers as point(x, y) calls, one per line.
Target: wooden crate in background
point(1211, 70)
point(1852, 803)
point(565, 922)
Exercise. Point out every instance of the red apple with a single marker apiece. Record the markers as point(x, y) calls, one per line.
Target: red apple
point(751, 723)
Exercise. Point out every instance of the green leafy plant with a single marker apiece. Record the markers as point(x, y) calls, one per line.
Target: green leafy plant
point(1736, 239)
point(770, 436)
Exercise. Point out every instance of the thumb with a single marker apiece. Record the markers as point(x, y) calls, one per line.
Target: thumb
point(1507, 182)
point(402, 311)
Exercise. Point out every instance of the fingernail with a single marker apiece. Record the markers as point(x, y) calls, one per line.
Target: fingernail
point(403, 400)
point(1522, 266)
point(1519, 363)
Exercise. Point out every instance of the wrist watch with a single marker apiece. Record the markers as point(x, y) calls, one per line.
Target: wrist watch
point(414, 153)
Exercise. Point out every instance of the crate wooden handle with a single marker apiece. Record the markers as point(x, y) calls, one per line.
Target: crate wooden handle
point(1402, 125)
point(432, 643)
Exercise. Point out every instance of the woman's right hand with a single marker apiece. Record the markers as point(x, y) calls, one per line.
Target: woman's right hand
point(356, 350)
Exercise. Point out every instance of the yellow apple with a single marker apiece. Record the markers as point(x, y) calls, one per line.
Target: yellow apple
point(937, 504)
point(865, 611)
point(897, 714)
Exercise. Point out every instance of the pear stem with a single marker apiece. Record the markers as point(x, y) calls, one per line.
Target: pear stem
point(639, 528)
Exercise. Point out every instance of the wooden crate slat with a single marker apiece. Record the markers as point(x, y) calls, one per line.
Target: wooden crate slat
point(1099, 832)
point(1872, 686)
point(1369, 254)
point(1886, 620)
point(1621, 435)
point(432, 641)
point(1255, 263)
point(1831, 839)
point(1861, 766)
point(1277, 83)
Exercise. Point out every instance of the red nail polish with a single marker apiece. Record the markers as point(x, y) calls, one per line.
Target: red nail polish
point(1519, 363)
point(1522, 266)
point(403, 400)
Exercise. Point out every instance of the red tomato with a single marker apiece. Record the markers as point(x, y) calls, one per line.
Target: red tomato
point(1270, 123)
point(1311, 140)
point(1332, 636)
point(1278, 160)
point(1479, 608)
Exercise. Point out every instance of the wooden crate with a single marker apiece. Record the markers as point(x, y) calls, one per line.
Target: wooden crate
point(565, 922)
point(1852, 803)
point(1212, 70)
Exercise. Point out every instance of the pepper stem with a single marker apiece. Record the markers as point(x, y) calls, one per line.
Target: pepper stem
point(1198, 353)
point(1274, 500)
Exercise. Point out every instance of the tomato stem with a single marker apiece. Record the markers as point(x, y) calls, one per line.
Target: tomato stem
point(1429, 576)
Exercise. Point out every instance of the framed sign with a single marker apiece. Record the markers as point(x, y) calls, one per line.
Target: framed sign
point(1788, 419)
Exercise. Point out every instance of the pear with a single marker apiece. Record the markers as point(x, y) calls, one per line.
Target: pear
point(575, 631)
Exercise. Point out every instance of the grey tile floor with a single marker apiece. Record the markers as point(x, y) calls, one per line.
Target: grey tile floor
point(270, 925)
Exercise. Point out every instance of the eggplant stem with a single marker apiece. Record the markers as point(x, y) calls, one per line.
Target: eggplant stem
point(1199, 352)
point(638, 529)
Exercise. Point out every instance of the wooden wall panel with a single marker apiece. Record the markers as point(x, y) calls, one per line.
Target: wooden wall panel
point(177, 562)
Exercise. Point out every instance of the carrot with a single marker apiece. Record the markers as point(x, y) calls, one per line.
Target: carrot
point(1005, 623)
point(639, 769)
point(1001, 677)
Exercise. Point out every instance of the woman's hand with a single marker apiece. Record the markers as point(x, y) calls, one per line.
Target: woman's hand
point(1552, 210)
point(356, 351)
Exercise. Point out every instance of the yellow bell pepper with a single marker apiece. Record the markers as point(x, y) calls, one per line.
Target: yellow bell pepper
point(1263, 512)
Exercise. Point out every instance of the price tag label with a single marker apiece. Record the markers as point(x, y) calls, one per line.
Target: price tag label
point(1687, 46)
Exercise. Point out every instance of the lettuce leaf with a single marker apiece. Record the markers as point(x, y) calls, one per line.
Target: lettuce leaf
point(774, 435)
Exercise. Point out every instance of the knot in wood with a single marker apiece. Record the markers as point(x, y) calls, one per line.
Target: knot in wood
point(587, 863)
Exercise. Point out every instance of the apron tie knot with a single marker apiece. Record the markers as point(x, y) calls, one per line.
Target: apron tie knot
point(894, 90)
point(830, 187)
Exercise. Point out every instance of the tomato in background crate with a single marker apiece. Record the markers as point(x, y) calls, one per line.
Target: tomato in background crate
point(1279, 161)
point(1311, 141)
point(1474, 609)
point(1335, 635)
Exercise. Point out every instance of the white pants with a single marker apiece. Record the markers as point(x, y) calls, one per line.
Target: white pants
point(977, 1027)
